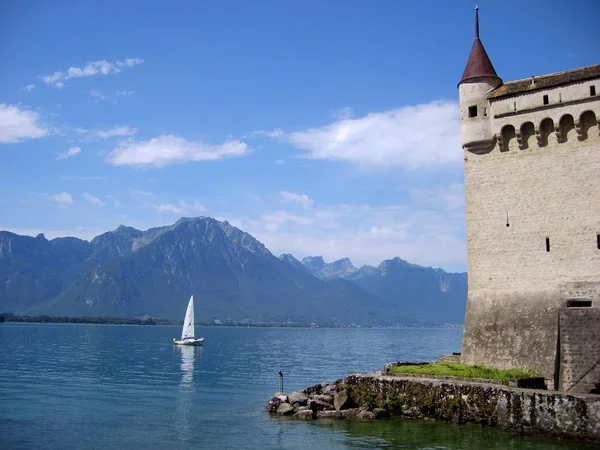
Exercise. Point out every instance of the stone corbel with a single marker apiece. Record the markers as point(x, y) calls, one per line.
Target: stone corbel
point(520, 140)
point(580, 136)
point(560, 137)
point(540, 138)
point(500, 141)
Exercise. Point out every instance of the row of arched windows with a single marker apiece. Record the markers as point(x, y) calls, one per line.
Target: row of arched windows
point(567, 128)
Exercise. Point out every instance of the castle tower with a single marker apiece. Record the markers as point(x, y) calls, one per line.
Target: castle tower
point(532, 185)
point(477, 81)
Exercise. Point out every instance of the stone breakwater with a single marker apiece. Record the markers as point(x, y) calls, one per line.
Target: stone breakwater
point(375, 396)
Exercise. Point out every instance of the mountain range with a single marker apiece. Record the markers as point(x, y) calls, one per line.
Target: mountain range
point(234, 277)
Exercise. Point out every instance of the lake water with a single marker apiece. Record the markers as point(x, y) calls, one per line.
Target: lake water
point(109, 386)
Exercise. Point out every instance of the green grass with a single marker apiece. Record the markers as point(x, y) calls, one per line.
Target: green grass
point(465, 371)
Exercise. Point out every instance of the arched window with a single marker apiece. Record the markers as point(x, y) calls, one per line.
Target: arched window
point(587, 122)
point(527, 130)
point(565, 126)
point(546, 130)
point(508, 134)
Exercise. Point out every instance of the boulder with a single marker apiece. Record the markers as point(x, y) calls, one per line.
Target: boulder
point(297, 399)
point(285, 409)
point(366, 414)
point(305, 414)
point(329, 389)
point(342, 400)
point(319, 405)
point(324, 398)
point(381, 413)
point(273, 404)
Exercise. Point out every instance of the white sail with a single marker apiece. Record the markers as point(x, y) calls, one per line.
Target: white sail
point(188, 322)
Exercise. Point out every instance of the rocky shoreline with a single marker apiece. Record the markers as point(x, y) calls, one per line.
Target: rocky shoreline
point(333, 401)
point(379, 395)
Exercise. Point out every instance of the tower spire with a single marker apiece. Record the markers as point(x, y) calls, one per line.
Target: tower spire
point(479, 64)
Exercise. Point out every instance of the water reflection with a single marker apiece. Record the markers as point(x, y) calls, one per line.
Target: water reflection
point(187, 364)
point(185, 399)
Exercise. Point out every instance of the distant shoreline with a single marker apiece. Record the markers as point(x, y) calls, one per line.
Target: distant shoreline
point(14, 318)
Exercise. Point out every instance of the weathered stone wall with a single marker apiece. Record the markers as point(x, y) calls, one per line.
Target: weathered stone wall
point(522, 410)
point(579, 349)
point(516, 286)
point(373, 396)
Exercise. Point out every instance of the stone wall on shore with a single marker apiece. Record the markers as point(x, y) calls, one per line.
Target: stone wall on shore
point(372, 396)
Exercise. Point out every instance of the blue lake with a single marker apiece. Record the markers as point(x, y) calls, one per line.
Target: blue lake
point(109, 386)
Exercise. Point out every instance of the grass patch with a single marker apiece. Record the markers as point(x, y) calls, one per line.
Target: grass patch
point(465, 371)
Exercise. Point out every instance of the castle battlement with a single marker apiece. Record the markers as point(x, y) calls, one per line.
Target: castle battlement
point(532, 182)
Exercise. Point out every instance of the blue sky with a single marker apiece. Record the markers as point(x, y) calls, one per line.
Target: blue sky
point(320, 127)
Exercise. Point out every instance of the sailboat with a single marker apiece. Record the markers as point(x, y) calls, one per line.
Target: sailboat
point(188, 336)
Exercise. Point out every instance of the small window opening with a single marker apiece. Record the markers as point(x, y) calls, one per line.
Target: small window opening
point(579, 303)
point(485, 111)
point(514, 106)
point(547, 244)
point(560, 98)
point(592, 91)
point(472, 111)
point(598, 241)
point(546, 101)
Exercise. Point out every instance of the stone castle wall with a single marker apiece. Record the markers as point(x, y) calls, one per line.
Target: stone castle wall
point(533, 217)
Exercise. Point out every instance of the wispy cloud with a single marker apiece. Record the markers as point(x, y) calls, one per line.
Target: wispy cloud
point(103, 67)
point(116, 131)
point(304, 200)
point(274, 134)
point(428, 232)
point(181, 207)
point(165, 150)
point(93, 200)
point(18, 124)
point(116, 202)
point(68, 153)
point(99, 95)
point(62, 198)
point(342, 114)
point(29, 87)
point(125, 93)
point(413, 137)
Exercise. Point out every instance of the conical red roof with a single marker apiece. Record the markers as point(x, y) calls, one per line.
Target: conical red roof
point(479, 64)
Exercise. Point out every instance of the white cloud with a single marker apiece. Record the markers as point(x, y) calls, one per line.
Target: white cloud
point(450, 197)
point(17, 124)
point(29, 87)
point(116, 131)
point(413, 137)
point(125, 93)
point(68, 153)
point(304, 200)
point(168, 149)
point(62, 198)
point(430, 234)
point(116, 202)
point(342, 114)
point(79, 232)
point(102, 67)
point(93, 200)
point(180, 207)
point(274, 134)
point(280, 161)
point(99, 95)
point(274, 220)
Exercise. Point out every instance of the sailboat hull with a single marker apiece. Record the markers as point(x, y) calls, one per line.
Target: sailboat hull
point(191, 341)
